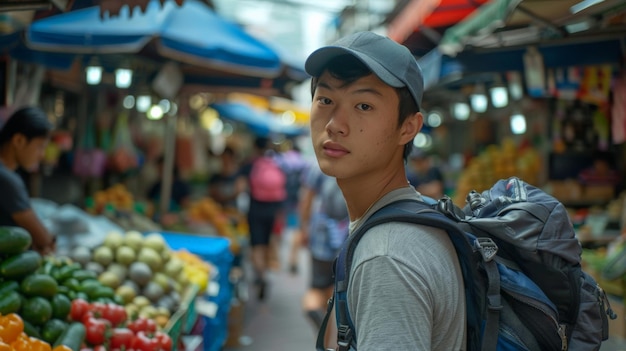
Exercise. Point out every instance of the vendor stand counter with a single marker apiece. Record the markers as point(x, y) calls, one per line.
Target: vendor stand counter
point(213, 305)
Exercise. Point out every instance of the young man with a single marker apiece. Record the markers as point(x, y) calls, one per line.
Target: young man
point(406, 289)
point(23, 140)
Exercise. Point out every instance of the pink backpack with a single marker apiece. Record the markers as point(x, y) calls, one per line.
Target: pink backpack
point(267, 181)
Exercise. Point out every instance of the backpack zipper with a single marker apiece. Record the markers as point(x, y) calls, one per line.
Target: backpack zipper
point(546, 310)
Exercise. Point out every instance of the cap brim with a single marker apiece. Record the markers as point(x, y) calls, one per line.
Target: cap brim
point(316, 62)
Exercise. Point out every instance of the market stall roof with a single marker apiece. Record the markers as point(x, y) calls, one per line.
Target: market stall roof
point(506, 23)
point(428, 15)
point(260, 122)
point(191, 33)
point(494, 38)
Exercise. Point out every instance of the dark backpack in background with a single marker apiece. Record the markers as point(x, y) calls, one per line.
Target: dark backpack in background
point(520, 260)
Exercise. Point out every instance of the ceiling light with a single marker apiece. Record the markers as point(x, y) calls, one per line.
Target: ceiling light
point(518, 124)
point(478, 99)
point(123, 77)
point(143, 103)
point(461, 111)
point(585, 4)
point(578, 26)
point(93, 75)
point(499, 96)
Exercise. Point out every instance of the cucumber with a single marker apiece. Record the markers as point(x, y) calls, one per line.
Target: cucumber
point(39, 285)
point(10, 302)
point(52, 330)
point(83, 274)
point(72, 337)
point(14, 240)
point(31, 330)
point(36, 310)
point(9, 285)
point(20, 265)
point(61, 306)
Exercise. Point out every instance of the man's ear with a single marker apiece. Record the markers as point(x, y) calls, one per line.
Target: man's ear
point(19, 140)
point(410, 127)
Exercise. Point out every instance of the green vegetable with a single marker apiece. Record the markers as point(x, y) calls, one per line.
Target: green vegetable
point(83, 274)
point(9, 285)
point(52, 330)
point(10, 302)
point(61, 306)
point(39, 285)
point(65, 272)
point(20, 265)
point(36, 310)
point(31, 330)
point(72, 337)
point(14, 240)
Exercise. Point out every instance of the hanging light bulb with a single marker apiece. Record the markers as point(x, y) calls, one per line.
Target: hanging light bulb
point(123, 77)
point(518, 124)
point(498, 93)
point(478, 99)
point(461, 111)
point(93, 75)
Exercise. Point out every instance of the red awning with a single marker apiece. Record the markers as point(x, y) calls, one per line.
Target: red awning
point(430, 13)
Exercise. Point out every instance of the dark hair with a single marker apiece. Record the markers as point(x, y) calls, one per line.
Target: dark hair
point(261, 143)
point(349, 69)
point(31, 122)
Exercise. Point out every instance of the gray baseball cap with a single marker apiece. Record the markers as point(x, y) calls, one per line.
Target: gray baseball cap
point(392, 62)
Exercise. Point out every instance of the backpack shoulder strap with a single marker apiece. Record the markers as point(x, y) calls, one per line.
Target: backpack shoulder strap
point(435, 215)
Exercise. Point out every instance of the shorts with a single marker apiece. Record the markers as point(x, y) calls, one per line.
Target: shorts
point(322, 274)
point(261, 221)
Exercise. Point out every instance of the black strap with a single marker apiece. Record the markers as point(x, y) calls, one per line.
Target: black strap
point(319, 344)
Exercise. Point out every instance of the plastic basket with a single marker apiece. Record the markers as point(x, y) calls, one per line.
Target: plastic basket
point(183, 320)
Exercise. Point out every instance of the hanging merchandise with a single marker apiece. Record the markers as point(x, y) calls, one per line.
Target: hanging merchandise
point(596, 84)
point(567, 82)
point(89, 161)
point(534, 72)
point(123, 156)
point(184, 146)
point(618, 108)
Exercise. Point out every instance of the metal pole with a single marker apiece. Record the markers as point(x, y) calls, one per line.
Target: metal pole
point(169, 151)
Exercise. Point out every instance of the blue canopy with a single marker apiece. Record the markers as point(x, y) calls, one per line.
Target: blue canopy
point(260, 123)
point(191, 33)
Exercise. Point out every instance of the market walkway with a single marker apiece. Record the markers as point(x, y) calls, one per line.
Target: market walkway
point(278, 323)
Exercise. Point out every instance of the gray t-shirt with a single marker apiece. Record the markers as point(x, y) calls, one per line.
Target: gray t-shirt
point(14, 195)
point(406, 286)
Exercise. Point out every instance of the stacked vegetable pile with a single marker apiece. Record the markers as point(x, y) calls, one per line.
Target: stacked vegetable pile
point(118, 301)
point(145, 275)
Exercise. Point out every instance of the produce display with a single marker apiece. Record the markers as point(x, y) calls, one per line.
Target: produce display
point(498, 162)
point(205, 212)
point(117, 296)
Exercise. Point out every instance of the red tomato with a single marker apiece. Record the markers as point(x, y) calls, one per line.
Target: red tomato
point(142, 342)
point(96, 330)
point(78, 308)
point(121, 337)
point(142, 324)
point(164, 340)
point(99, 348)
point(115, 314)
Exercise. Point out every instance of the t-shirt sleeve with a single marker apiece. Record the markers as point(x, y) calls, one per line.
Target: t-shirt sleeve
point(15, 196)
point(391, 305)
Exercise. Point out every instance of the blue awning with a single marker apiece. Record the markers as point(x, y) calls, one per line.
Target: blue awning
point(261, 123)
point(191, 33)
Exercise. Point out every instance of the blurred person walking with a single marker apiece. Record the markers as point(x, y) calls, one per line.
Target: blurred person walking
point(424, 175)
point(267, 189)
point(225, 186)
point(324, 226)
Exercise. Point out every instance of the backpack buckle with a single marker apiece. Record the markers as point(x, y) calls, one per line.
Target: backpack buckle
point(487, 248)
point(344, 336)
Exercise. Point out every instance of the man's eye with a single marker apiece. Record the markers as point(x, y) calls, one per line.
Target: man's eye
point(364, 107)
point(323, 101)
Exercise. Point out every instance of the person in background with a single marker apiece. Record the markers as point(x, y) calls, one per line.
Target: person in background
point(266, 184)
point(424, 176)
point(224, 186)
point(295, 167)
point(180, 191)
point(406, 289)
point(23, 140)
point(324, 226)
